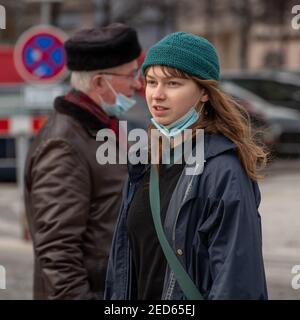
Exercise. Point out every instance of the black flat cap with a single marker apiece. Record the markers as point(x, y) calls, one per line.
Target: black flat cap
point(102, 48)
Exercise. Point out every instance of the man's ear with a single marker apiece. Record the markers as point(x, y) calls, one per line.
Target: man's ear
point(97, 83)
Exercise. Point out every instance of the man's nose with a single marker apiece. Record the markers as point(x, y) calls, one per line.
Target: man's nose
point(137, 84)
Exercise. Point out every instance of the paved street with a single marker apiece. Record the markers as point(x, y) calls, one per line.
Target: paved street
point(280, 210)
point(280, 220)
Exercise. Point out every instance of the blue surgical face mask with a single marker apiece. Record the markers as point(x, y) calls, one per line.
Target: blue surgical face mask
point(179, 125)
point(121, 105)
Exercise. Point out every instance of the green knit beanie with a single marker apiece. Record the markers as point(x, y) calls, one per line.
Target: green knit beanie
point(186, 52)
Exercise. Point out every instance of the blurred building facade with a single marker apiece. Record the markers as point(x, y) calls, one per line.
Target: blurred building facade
point(249, 34)
point(152, 18)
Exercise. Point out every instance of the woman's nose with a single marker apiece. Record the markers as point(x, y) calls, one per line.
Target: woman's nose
point(158, 93)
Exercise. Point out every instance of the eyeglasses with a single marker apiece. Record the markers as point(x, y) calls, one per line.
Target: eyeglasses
point(133, 77)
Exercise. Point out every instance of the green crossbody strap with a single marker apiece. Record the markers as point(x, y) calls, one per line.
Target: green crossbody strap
point(184, 280)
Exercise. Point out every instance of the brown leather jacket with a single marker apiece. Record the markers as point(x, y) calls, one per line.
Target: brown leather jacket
point(71, 204)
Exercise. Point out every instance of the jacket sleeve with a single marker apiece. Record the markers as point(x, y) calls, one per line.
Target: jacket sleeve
point(60, 195)
point(235, 240)
point(114, 287)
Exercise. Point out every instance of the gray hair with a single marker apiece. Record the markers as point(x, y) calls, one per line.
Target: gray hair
point(81, 80)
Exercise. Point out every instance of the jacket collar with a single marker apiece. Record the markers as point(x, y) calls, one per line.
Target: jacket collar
point(214, 144)
point(91, 123)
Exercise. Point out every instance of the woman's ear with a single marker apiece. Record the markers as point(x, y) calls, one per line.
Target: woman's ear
point(204, 96)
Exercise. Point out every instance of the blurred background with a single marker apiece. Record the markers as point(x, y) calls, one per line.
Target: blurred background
point(259, 46)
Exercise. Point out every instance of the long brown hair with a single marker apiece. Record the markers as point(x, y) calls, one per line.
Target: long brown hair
point(222, 114)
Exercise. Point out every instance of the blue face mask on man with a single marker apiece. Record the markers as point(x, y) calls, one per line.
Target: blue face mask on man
point(179, 125)
point(122, 103)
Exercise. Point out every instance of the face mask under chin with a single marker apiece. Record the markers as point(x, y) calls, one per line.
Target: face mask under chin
point(180, 124)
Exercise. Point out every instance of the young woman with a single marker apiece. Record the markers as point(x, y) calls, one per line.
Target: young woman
point(214, 229)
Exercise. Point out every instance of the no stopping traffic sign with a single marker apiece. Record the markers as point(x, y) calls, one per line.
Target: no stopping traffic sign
point(39, 54)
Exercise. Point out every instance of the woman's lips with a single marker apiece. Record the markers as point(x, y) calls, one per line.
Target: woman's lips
point(159, 110)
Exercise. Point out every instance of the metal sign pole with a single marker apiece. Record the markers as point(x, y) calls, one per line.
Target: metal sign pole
point(45, 9)
point(45, 12)
point(43, 47)
point(22, 146)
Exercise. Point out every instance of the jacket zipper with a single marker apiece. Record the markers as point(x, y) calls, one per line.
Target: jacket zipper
point(172, 275)
point(128, 255)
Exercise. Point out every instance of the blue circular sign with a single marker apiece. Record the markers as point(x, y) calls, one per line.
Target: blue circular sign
point(40, 55)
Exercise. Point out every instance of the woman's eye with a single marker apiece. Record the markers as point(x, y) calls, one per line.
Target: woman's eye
point(150, 82)
point(173, 83)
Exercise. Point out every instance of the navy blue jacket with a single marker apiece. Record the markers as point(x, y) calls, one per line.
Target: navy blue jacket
point(213, 218)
